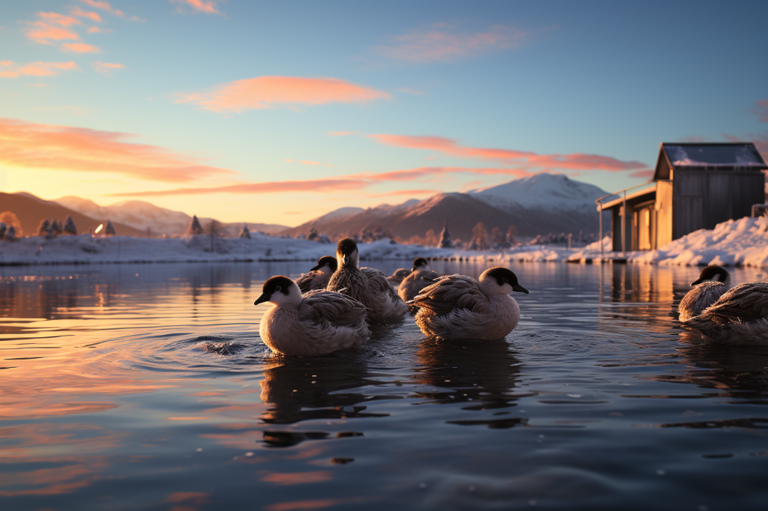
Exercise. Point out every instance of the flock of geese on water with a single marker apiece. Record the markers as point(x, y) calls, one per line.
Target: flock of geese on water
point(331, 307)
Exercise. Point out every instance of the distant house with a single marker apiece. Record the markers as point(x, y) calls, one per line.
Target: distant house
point(695, 186)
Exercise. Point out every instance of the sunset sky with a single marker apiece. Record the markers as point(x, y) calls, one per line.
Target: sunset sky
point(278, 112)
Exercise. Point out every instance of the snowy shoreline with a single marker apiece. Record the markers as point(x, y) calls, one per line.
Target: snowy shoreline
point(742, 242)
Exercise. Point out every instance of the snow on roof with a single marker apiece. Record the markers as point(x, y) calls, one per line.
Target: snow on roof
point(713, 155)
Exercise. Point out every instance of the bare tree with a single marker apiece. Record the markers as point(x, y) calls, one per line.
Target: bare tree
point(10, 220)
point(479, 237)
point(511, 235)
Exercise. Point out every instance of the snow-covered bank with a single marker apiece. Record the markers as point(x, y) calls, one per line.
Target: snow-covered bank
point(742, 242)
point(85, 249)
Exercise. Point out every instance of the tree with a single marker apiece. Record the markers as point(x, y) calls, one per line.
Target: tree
point(10, 234)
point(110, 230)
point(313, 234)
point(511, 233)
point(56, 227)
point(195, 227)
point(69, 227)
point(479, 238)
point(10, 220)
point(498, 239)
point(44, 229)
point(245, 233)
point(445, 238)
point(3, 229)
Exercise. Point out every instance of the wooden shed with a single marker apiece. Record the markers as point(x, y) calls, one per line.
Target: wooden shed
point(695, 186)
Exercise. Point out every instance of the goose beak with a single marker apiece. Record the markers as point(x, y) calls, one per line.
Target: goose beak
point(315, 268)
point(519, 289)
point(263, 298)
point(697, 282)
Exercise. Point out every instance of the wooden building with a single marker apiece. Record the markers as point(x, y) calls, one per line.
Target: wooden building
point(695, 186)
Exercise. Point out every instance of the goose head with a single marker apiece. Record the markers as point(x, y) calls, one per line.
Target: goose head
point(326, 264)
point(347, 254)
point(500, 281)
point(280, 290)
point(712, 273)
point(420, 263)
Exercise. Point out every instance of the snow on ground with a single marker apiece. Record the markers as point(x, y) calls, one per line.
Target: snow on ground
point(736, 242)
point(742, 242)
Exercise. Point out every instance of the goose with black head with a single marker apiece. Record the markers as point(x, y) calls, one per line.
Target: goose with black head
point(368, 285)
point(318, 276)
point(316, 323)
point(460, 307)
point(710, 286)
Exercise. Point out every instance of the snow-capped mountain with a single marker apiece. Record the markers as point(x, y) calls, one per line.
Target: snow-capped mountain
point(549, 191)
point(148, 217)
point(537, 204)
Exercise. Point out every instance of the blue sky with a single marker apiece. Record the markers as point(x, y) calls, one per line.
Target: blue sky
point(281, 111)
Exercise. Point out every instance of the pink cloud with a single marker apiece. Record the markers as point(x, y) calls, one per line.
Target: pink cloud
point(341, 133)
point(59, 19)
point(43, 32)
point(576, 161)
point(443, 43)
point(272, 91)
point(77, 11)
point(9, 69)
point(206, 6)
point(103, 5)
point(334, 184)
point(106, 67)
point(762, 110)
point(44, 146)
point(80, 48)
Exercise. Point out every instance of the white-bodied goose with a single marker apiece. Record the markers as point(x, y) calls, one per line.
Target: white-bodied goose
point(710, 286)
point(460, 307)
point(368, 285)
point(316, 323)
point(318, 276)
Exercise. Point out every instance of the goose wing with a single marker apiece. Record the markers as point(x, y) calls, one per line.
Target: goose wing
point(452, 292)
point(745, 302)
point(341, 310)
point(700, 297)
point(305, 281)
point(378, 282)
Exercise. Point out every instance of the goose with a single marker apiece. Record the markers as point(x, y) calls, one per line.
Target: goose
point(318, 275)
point(368, 285)
point(421, 276)
point(739, 316)
point(317, 323)
point(460, 307)
point(401, 273)
point(710, 286)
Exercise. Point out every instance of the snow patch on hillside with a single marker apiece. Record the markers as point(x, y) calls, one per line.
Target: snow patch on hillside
point(552, 191)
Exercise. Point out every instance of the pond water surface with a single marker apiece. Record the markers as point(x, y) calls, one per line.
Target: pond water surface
point(147, 387)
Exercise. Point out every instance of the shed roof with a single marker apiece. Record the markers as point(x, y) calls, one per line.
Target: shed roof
point(741, 156)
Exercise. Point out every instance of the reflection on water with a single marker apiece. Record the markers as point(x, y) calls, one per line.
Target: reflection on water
point(147, 387)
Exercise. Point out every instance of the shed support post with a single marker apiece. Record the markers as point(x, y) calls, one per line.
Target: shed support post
point(624, 225)
point(600, 212)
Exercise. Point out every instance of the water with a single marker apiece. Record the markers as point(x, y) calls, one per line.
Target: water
point(146, 387)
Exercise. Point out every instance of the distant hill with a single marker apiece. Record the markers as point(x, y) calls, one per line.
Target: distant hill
point(539, 204)
point(144, 215)
point(30, 210)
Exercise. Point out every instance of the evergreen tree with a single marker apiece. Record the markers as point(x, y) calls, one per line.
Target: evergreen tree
point(195, 227)
point(445, 238)
point(110, 230)
point(44, 229)
point(69, 227)
point(245, 233)
point(3, 229)
point(10, 234)
point(56, 227)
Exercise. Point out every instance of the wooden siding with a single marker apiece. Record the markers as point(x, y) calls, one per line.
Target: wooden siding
point(703, 199)
point(663, 213)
